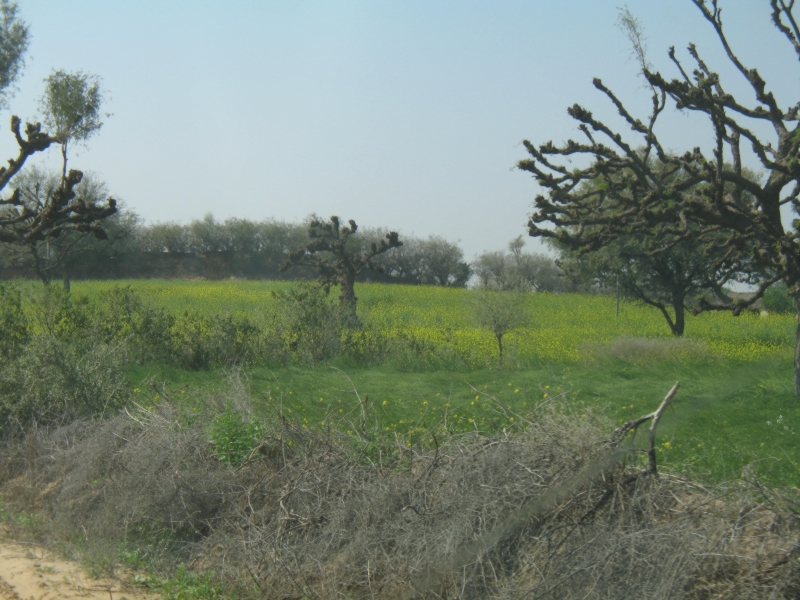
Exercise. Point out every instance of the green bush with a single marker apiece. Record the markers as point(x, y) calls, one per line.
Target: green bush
point(54, 381)
point(202, 341)
point(309, 324)
point(777, 299)
point(234, 435)
point(120, 314)
point(58, 313)
point(14, 333)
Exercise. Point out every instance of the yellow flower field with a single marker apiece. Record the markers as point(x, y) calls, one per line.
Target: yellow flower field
point(438, 320)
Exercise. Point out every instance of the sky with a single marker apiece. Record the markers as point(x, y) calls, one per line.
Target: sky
point(405, 115)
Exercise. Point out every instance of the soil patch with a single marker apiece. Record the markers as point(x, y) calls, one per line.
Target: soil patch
point(28, 572)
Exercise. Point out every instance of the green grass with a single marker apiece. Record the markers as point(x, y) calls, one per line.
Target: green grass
point(736, 404)
point(723, 419)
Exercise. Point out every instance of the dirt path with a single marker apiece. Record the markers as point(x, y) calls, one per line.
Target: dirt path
point(31, 573)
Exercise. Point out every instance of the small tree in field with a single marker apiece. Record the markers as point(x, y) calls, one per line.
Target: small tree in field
point(328, 253)
point(500, 312)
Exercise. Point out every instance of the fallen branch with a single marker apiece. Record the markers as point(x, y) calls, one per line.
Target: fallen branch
point(655, 416)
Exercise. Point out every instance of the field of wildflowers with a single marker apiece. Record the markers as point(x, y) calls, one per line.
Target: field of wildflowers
point(439, 318)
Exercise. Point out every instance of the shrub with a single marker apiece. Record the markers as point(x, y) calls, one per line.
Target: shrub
point(201, 341)
point(13, 323)
point(309, 325)
point(234, 435)
point(54, 381)
point(120, 314)
point(58, 313)
point(776, 299)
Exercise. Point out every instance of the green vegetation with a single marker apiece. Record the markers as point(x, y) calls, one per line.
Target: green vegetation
point(425, 365)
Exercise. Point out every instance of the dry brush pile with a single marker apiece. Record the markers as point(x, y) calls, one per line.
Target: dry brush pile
point(554, 510)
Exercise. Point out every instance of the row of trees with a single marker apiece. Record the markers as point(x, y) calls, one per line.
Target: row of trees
point(205, 247)
point(244, 248)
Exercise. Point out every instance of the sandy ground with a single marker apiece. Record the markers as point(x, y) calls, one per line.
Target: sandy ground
point(31, 573)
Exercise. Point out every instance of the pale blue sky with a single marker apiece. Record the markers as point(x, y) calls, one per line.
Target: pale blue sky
point(402, 114)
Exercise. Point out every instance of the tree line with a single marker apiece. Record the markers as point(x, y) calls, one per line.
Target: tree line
point(244, 248)
point(208, 248)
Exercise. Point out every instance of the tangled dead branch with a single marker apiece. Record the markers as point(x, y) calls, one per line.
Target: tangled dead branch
point(546, 512)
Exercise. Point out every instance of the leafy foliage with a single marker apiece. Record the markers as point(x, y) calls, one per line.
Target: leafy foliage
point(430, 261)
point(14, 333)
point(14, 40)
point(71, 105)
point(776, 299)
point(234, 435)
point(309, 326)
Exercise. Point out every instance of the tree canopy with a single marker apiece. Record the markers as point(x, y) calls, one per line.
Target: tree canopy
point(671, 281)
point(14, 39)
point(72, 107)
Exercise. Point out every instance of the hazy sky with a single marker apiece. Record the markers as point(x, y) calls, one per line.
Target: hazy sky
point(403, 114)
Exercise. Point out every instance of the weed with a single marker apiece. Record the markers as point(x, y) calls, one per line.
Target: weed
point(234, 435)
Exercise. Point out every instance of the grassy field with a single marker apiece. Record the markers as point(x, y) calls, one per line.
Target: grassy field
point(736, 405)
point(560, 324)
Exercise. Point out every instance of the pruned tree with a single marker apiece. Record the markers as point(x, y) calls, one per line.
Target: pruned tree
point(59, 255)
point(30, 222)
point(670, 281)
point(708, 203)
point(329, 254)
